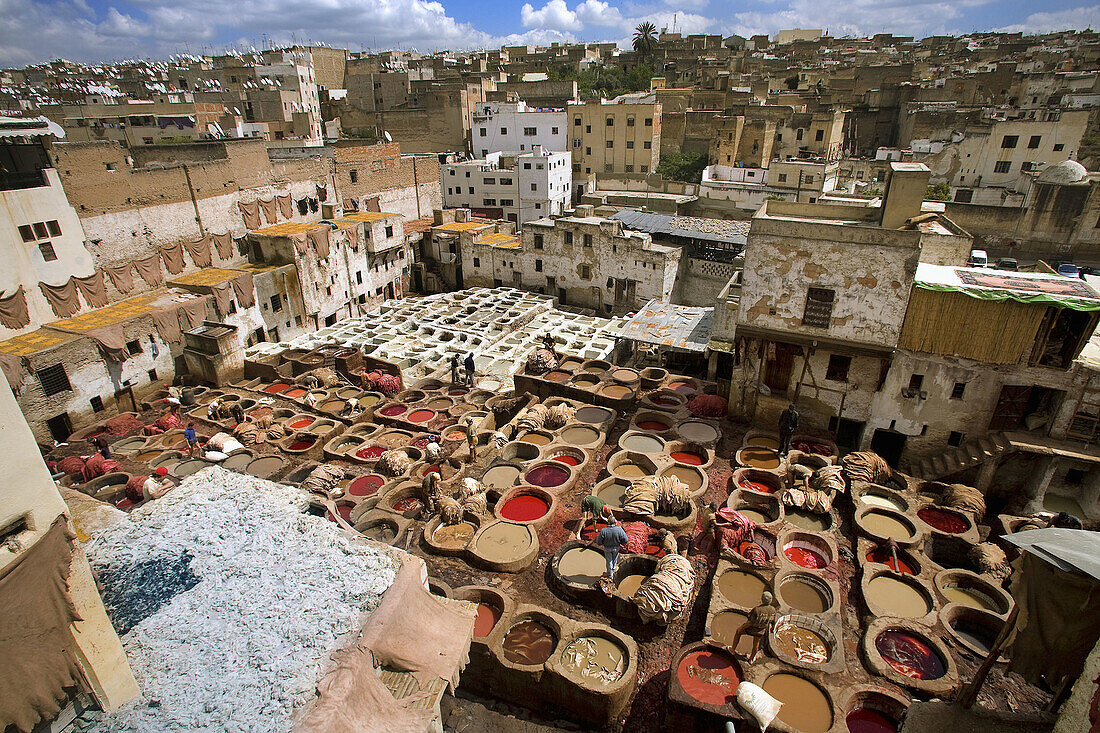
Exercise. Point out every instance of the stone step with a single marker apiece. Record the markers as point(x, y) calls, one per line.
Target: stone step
point(987, 446)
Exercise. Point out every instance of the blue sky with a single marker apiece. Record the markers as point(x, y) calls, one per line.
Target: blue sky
point(105, 30)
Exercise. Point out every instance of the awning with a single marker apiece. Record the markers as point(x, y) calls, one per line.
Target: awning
point(1023, 287)
point(670, 326)
point(1065, 549)
point(30, 127)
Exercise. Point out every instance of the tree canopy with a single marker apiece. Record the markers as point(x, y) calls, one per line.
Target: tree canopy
point(645, 40)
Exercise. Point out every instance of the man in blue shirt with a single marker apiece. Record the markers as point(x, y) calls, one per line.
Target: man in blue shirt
point(609, 539)
point(192, 439)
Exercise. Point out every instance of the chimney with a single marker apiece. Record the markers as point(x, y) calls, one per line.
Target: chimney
point(905, 191)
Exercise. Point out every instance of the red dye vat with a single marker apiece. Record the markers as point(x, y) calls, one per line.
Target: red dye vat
point(809, 446)
point(910, 655)
point(365, 485)
point(300, 444)
point(760, 486)
point(277, 388)
point(124, 504)
point(665, 401)
point(589, 532)
point(433, 469)
point(691, 459)
point(566, 459)
point(301, 423)
point(391, 410)
point(524, 508)
point(682, 387)
point(345, 512)
point(883, 556)
point(805, 558)
point(487, 617)
point(407, 505)
point(710, 676)
point(654, 425)
point(865, 720)
point(370, 452)
point(547, 476)
point(456, 393)
point(295, 393)
point(421, 416)
point(943, 521)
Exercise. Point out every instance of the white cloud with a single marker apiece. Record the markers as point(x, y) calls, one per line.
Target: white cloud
point(1072, 19)
point(857, 17)
point(555, 15)
point(595, 12)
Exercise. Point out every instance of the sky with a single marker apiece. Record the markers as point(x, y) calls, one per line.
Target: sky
point(32, 31)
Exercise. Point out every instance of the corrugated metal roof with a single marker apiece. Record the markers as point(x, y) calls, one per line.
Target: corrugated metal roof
point(671, 326)
point(728, 232)
point(30, 127)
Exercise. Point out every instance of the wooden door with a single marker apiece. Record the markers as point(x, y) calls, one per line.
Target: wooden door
point(1011, 407)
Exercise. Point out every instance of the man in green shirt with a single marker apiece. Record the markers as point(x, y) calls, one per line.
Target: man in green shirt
point(591, 508)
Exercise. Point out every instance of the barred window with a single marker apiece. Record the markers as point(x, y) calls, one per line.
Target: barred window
point(819, 307)
point(53, 379)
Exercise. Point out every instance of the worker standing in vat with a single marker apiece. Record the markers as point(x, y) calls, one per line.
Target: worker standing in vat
point(759, 623)
point(592, 507)
point(610, 539)
point(237, 412)
point(454, 368)
point(469, 365)
point(788, 423)
point(471, 441)
point(192, 440)
point(548, 344)
point(100, 442)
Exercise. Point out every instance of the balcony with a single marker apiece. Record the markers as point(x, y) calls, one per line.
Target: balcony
point(22, 179)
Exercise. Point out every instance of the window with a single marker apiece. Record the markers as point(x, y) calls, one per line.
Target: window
point(1009, 141)
point(526, 166)
point(152, 375)
point(588, 151)
point(553, 131)
point(133, 347)
point(96, 403)
point(630, 122)
point(1033, 143)
point(54, 228)
point(470, 189)
point(576, 142)
point(534, 187)
point(649, 122)
point(1059, 147)
point(647, 145)
point(645, 169)
point(958, 390)
point(587, 129)
point(819, 307)
point(482, 132)
point(964, 195)
point(504, 131)
point(489, 181)
point(26, 232)
point(276, 303)
point(798, 134)
point(506, 181)
point(110, 166)
point(610, 121)
point(808, 180)
point(587, 240)
point(629, 169)
point(569, 236)
point(586, 272)
point(353, 175)
point(53, 379)
point(1002, 166)
point(451, 171)
point(529, 131)
point(488, 202)
point(46, 248)
point(359, 277)
point(538, 241)
point(629, 144)
point(477, 262)
point(576, 121)
point(538, 265)
point(782, 177)
point(916, 381)
point(838, 368)
point(467, 174)
point(538, 166)
point(507, 202)
point(819, 135)
point(609, 144)
point(955, 438)
point(389, 231)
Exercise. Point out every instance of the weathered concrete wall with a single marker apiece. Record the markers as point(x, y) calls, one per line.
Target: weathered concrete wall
point(698, 282)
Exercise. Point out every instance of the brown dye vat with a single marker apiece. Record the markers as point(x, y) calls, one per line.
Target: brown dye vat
point(613, 493)
point(557, 376)
point(529, 642)
point(630, 470)
point(173, 441)
point(800, 643)
point(500, 476)
point(265, 466)
point(616, 391)
point(454, 536)
point(805, 706)
point(628, 585)
point(897, 597)
point(570, 364)
point(884, 525)
point(380, 532)
point(322, 428)
point(186, 468)
point(691, 479)
point(643, 444)
point(755, 515)
point(741, 588)
point(487, 617)
point(593, 415)
point(503, 542)
point(759, 457)
point(580, 435)
point(582, 565)
point(369, 399)
point(440, 403)
point(585, 382)
point(536, 439)
point(807, 520)
point(147, 455)
point(624, 375)
point(971, 597)
point(237, 462)
point(763, 441)
point(799, 594)
point(724, 626)
point(979, 637)
point(698, 432)
point(333, 406)
point(595, 659)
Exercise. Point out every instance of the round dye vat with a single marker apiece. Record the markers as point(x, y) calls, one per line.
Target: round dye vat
point(710, 676)
point(681, 387)
point(524, 508)
point(630, 584)
point(758, 486)
point(421, 416)
point(884, 525)
point(487, 617)
point(345, 512)
point(585, 382)
point(536, 439)
point(567, 459)
point(629, 470)
point(799, 594)
point(303, 423)
point(593, 415)
point(697, 431)
point(744, 589)
point(503, 542)
point(369, 399)
point(365, 485)
point(294, 393)
point(665, 400)
point(910, 655)
point(333, 406)
point(557, 376)
point(943, 521)
point(883, 556)
point(688, 458)
point(805, 557)
point(807, 520)
point(454, 536)
point(456, 435)
point(882, 501)
point(186, 468)
point(613, 493)
point(643, 444)
point(393, 410)
point(866, 720)
point(237, 462)
point(655, 425)
point(971, 597)
point(370, 453)
point(265, 466)
point(624, 375)
point(147, 455)
point(596, 659)
point(529, 642)
point(800, 643)
point(440, 403)
point(763, 441)
point(408, 504)
point(582, 565)
point(758, 457)
point(303, 444)
point(805, 706)
point(580, 435)
point(381, 532)
point(724, 626)
point(897, 597)
point(547, 476)
point(323, 427)
point(755, 515)
point(276, 388)
point(691, 478)
point(500, 476)
point(616, 391)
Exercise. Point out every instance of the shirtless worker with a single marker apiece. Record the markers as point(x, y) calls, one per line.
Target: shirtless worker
point(758, 625)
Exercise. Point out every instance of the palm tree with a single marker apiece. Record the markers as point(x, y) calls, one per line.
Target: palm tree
point(645, 40)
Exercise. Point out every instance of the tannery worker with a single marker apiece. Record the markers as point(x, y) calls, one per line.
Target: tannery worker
point(788, 423)
point(759, 623)
point(469, 365)
point(104, 447)
point(192, 440)
point(610, 539)
point(237, 411)
point(154, 489)
point(454, 368)
point(592, 508)
point(433, 451)
point(471, 441)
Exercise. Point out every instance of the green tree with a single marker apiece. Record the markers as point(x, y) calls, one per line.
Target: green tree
point(645, 40)
point(686, 167)
point(938, 192)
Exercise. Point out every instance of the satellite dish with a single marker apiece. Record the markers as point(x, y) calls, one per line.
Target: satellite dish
point(386, 135)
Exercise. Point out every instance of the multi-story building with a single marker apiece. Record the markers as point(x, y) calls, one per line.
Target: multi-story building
point(803, 180)
point(510, 127)
point(617, 136)
point(519, 187)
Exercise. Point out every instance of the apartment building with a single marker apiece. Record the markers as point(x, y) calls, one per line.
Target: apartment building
point(519, 187)
point(617, 136)
point(802, 180)
point(509, 127)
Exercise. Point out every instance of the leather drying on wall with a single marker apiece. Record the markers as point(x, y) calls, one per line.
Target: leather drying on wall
point(224, 244)
point(372, 204)
point(93, 288)
point(63, 299)
point(122, 277)
point(173, 258)
point(286, 206)
point(245, 289)
point(319, 238)
point(111, 342)
point(149, 269)
point(223, 298)
point(268, 207)
point(14, 313)
point(12, 367)
point(354, 236)
point(251, 214)
point(200, 252)
point(167, 322)
point(192, 313)
point(300, 242)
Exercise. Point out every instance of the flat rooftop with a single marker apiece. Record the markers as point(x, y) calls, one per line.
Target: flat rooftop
point(41, 339)
point(499, 240)
point(980, 282)
point(672, 326)
point(367, 216)
point(286, 228)
point(727, 231)
point(208, 277)
point(462, 226)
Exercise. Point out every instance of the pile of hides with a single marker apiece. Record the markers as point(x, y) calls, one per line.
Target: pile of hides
point(663, 596)
point(122, 424)
point(533, 418)
point(169, 421)
point(243, 648)
point(657, 495)
point(812, 447)
point(498, 440)
point(754, 553)
point(540, 362)
point(828, 479)
point(97, 465)
point(638, 535)
point(152, 430)
point(323, 479)
point(504, 409)
point(135, 489)
point(733, 528)
point(247, 433)
point(812, 500)
point(708, 405)
point(450, 510)
point(867, 466)
point(967, 498)
point(393, 463)
point(476, 504)
point(559, 415)
point(223, 442)
point(71, 465)
point(387, 384)
point(990, 560)
point(328, 377)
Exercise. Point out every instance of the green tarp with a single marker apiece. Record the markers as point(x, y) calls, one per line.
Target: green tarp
point(1060, 301)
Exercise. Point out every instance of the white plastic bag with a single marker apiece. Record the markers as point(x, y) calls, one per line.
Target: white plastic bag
point(758, 703)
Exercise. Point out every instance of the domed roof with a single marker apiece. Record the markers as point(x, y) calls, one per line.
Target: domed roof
point(1066, 172)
